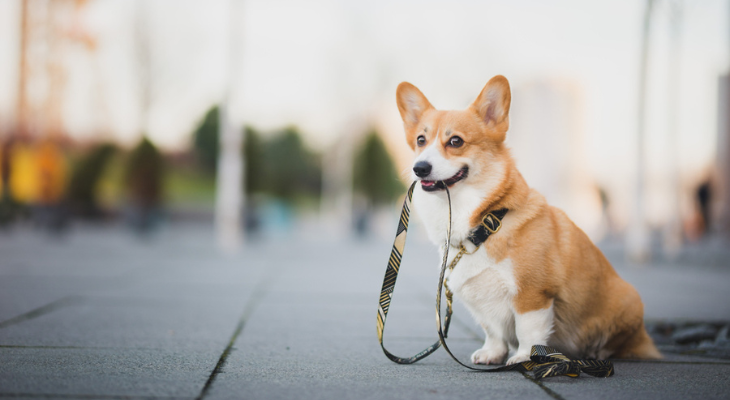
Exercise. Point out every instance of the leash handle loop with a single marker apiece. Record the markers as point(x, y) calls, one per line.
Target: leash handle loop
point(391, 275)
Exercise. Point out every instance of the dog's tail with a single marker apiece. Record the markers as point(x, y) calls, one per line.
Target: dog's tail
point(639, 346)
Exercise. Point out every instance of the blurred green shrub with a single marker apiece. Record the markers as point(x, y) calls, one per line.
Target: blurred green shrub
point(291, 171)
point(205, 140)
point(144, 174)
point(277, 164)
point(254, 158)
point(374, 174)
point(187, 185)
point(84, 183)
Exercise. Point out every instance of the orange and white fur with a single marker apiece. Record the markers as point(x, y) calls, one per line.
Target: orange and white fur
point(539, 279)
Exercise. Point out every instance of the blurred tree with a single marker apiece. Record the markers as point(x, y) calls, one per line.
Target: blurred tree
point(374, 174)
point(205, 140)
point(49, 211)
point(24, 173)
point(254, 183)
point(144, 173)
point(144, 179)
point(291, 170)
point(10, 209)
point(82, 189)
point(280, 166)
point(253, 150)
point(52, 167)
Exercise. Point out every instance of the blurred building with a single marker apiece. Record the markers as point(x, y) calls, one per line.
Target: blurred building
point(547, 140)
point(721, 201)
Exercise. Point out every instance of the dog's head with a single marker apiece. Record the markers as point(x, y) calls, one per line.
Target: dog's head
point(456, 146)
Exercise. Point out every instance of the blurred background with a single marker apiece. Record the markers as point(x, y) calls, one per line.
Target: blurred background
point(277, 119)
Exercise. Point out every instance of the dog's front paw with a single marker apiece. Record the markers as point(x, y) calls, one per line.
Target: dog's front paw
point(518, 358)
point(488, 356)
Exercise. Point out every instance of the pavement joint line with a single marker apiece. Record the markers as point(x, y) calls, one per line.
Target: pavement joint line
point(248, 309)
point(545, 389)
point(88, 396)
point(412, 338)
point(671, 362)
point(17, 346)
point(42, 310)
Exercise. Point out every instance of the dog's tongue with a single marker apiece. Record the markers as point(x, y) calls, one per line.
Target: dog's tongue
point(428, 183)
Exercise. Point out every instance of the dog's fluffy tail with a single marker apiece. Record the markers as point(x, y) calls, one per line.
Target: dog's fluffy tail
point(639, 346)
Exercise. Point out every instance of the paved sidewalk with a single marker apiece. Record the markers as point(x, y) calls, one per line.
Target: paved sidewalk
point(101, 314)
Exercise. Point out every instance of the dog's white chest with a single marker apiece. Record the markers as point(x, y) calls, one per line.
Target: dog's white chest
point(479, 269)
point(485, 286)
point(433, 209)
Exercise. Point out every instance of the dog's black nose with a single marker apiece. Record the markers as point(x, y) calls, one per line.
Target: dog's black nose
point(422, 169)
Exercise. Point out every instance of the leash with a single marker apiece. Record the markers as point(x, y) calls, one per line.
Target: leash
point(544, 361)
point(391, 274)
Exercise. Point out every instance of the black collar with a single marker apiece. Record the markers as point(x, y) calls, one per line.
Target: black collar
point(491, 223)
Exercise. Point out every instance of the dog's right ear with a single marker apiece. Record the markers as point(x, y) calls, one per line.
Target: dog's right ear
point(411, 104)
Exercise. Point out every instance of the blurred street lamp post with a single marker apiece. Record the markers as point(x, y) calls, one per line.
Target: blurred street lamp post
point(721, 216)
point(229, 183)
point(22, 97)
point(229, 178)
point(336, 207)
point(673, 231)
point(637, 237)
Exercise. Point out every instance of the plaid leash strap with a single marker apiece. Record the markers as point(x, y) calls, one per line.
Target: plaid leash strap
point(550, 362)
point(391, 274)
point(544, 361)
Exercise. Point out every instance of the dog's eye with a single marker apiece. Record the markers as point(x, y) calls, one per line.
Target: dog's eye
point(421, 140)
point(456, 141)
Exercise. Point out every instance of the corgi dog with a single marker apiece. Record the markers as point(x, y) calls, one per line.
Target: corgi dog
point(537, 280)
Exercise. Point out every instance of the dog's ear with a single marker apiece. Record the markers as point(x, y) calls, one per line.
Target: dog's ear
point(493, 103)
point(411, 104)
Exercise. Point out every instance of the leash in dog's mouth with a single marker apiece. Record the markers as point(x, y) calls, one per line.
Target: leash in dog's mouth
point(432, 186)
point(544, 361)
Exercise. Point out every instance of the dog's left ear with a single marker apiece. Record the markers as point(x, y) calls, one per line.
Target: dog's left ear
point(493, 103)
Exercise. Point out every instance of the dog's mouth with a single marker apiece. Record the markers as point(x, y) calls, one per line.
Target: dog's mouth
point(432, 186)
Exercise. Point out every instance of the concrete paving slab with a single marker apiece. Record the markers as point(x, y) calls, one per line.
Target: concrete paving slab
point(128, 323)
point(86, 373)
point(285, 367)
point(669, 292)
point(649, 381)
point(153, 318)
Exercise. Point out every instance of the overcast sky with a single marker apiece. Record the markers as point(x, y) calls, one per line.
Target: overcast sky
point(322, 64)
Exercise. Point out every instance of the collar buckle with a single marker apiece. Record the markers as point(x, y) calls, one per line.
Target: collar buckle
point(491, 223)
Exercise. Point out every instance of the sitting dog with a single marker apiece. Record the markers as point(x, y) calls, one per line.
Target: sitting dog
point(538, 279)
